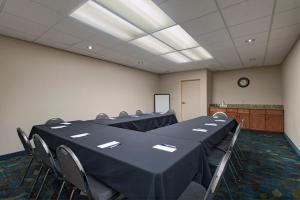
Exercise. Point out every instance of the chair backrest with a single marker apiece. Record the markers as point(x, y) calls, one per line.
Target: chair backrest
point(102, 116)
point(43, 152)
point(71, 168)
point(235, 135)
point(220, 114)
point(219, 173)
point(25, 141)
point(123, 114)
point(138, 112)
point(54, 121)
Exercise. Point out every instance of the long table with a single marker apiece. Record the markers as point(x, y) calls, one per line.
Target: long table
point(134, 168)
point(144, 122)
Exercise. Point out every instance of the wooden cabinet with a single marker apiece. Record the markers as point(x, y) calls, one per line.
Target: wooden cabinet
point(255, 119)
point(243, 114)
point(258, 119)
point(274, 120)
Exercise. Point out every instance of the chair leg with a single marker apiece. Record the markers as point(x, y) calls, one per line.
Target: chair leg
point(60, 190)
point(43, 183)
point(72, 193)
point(35, 181)
point(228, 190)
point(234, 169)
point(26, 172)
point(240, 152)
point(233, 174)
point(235, 155)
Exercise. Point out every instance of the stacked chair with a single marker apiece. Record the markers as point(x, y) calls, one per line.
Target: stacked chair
point(102, 116)
point(138, 112)
point(123, 114)
point(54, 121)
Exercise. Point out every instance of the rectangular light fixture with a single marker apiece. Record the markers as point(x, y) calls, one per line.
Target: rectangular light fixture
point(176, 37)
point(95, 15)
point(143, 13)
point(176, 57)
point(152, 44)
point(196, 54)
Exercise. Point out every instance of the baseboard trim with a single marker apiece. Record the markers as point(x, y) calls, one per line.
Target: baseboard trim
point(294, 147)
point(11, 155)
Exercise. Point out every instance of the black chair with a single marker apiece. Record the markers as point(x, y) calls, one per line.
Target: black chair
point(220, 114)
point(138, 112)
point(75, 175)
point(28, 149)
point(195, 191)
point(123, 114)
point(102, 116)
point(48, 163)
point(54, 121)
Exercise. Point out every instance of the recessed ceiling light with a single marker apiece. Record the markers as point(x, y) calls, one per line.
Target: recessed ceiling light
point(152, 44)
point(176, 37)
point(198, 53)
point(176, 57)
point(90, 47)
point(95, 15)
point(250, 40)
point(143, 13)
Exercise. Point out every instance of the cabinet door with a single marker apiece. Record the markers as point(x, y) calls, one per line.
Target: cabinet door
point(245, 117)
point(274, 121)
point(232, 113)
point(258, 120)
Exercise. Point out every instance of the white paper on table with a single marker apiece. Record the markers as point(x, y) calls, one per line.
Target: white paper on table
point(164, 148)
point(109, 144)
point(111, 118)
point(57, 127)
point(200, 130)
point(220, 120)
point(80, 135)
point(210, 124)
point(65, 123)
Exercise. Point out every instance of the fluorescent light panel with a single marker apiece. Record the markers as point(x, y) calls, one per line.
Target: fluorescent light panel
point(176, 57)
point(143, 13)
point(100, 18)
point(176, 37)
point(152, 44)
point(198, 53)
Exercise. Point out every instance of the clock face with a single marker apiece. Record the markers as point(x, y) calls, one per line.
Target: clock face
point(243, 82)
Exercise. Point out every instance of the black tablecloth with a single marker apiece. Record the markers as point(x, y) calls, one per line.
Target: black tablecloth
point(134, 168)
point(184, 130)
point(145, 122)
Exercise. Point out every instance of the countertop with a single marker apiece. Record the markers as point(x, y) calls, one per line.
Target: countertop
point(250, 106)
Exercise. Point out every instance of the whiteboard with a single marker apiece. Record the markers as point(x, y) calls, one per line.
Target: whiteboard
point(161, 102)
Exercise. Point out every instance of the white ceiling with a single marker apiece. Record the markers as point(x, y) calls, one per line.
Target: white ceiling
point(220, 26)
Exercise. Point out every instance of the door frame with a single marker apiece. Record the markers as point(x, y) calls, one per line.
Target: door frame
point(181, 82)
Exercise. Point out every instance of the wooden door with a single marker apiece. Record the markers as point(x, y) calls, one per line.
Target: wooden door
point(274, 121)
point(258, 119)
point(190, 99)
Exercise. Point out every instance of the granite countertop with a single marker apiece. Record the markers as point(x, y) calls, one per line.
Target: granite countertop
point(250, 106)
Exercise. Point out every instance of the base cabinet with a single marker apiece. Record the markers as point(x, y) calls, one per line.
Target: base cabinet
point(255, 119)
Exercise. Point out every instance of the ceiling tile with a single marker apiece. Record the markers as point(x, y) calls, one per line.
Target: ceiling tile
point(65, 7)
point(260, 38)
point(84, 46)
point(252, 27)
point(158, 2)
point(286, 18)
point(182, 11)
point(104, 39)
point(282, 43)
point(287, 31)
point(219, 46)
point(127, 49)
point(75, 28)
point(275, 57)
point(253, 55)
point(21, 25)
point(51, 43)
point(203, 25)
point(247, 11)
point(283, 5)
point(35, 12)
point(16, 34)
point(59, 37)
point(220, 35)
point(226, 3)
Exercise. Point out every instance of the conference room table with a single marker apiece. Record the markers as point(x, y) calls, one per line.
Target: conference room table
point(134, 168)
point(144, 122)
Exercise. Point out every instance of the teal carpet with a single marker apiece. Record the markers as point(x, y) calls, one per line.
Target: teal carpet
point(272, 171)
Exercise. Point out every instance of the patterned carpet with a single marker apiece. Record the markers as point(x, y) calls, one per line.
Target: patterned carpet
point(272, 171)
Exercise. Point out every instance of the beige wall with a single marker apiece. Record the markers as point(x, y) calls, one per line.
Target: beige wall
point(291, 94)
point(171, 83)
point(264, 88)
point(37, 83)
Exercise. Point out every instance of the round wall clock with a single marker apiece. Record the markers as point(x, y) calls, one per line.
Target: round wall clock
point(243, 82)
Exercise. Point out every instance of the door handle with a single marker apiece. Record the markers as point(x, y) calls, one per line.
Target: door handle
point(183, 102)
